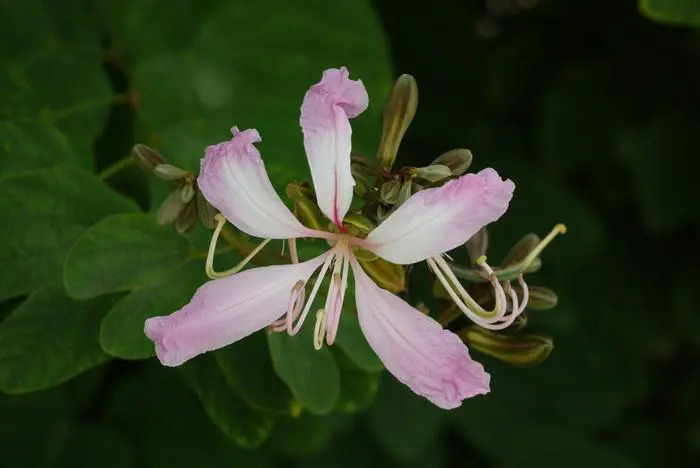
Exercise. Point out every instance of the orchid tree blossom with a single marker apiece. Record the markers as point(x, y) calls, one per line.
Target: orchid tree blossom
point(432, 361)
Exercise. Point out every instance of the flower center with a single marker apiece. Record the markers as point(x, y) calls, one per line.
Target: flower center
point(336, 267)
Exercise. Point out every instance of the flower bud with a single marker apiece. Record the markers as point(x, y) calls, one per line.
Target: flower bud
point(387, 275)
point(359, 224)
point(171, 208)
point(433, 173)
point(187, 220)
point(478, 244)
point(404, 193)
point(541, 298)
point(520, 250)
point(146, 157)
point(308, 213)
point(205, 211)
point(399, 111)
point(389, 192)
point(169, 172)
point(518, 350)
point(457, 160)
point(187, 192)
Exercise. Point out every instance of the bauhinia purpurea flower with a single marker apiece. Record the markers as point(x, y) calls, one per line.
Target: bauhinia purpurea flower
point(432, 361)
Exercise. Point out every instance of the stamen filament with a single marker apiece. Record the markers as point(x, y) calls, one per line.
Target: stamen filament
point(320, 328)
point(338, 302)
point(468, 301)
point(294, 329)
point(558, 229)
point(209, 264)
point(293, 253)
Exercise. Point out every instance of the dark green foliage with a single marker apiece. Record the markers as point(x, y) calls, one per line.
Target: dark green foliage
point(590, 107)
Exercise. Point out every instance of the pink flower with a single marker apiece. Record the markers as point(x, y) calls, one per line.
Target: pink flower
point(432, 361)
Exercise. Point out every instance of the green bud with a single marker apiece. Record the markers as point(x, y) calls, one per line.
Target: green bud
point(187, 192)
point(171, 208)
point(520, 250)
point(389, 192)
point(309, 213)
point(146, 157)
point(457, 160)
point(541, 298)
point(187, 220)
point(360, 224)
point(387, 275)
point(361, 186)
point(205, 211)
point(433, 173)
point(478, 244)
point(404, 193)
point(295, 190)
point(365, 255)
point(518, 350)
point(398, 113)
point(169, 172)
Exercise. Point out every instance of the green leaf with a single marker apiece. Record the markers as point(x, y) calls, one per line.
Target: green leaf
point(247, 367)
point(679, 12)
point(74, 101)
point(31, 145)
point(43, 213)
point(49, 339)
point(156, 396)
point(357, 387)
point(191, 92)
point(246, 427)
point(122, 334)
point(119, 253)
point(311, 375)
point(304, 435)
point(403, 423)
point(351, 339)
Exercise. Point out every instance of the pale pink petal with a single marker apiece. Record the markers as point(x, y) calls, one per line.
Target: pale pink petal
point(225, 310)
point(324, 120)
point(431, 361)
point(439, 219)
point(233, 179)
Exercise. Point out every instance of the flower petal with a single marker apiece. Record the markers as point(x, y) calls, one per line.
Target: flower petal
point(225, 310)
point(234, 180)
point(439, 219)
point(324, 120)
point(432, 361)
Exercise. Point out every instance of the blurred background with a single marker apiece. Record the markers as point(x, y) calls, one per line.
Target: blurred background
point(591, 107)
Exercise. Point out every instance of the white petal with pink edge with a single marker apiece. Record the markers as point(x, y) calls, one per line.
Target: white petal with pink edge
point(225, 310)
point(439, 219)
point(431, 361)
point(325, 113)
point(234, 180)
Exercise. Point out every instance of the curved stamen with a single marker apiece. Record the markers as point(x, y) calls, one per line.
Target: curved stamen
point(209, 265)
point(496, 319)
point(526, 294)
point(337, 302)
point(294, 329)
point(296, 302)
point(450, 282)
point(320, 328)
